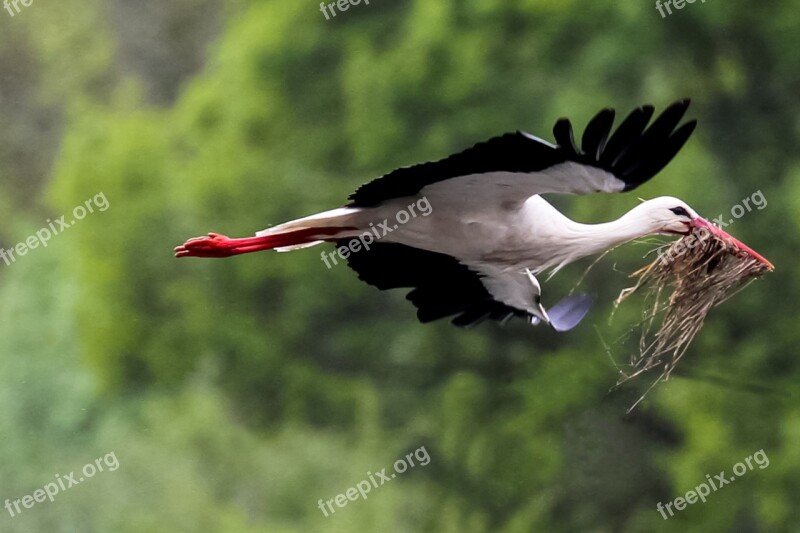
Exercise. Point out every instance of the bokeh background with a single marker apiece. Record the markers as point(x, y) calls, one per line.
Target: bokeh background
point(237, 393)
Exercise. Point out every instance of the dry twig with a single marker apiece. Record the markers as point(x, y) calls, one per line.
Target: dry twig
point(697, 273)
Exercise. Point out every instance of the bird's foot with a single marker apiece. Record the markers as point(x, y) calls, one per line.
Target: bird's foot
point(566, 314)
point(215, 245)
point(569, 312)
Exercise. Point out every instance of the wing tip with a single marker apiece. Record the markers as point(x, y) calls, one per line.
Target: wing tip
point(649, 148)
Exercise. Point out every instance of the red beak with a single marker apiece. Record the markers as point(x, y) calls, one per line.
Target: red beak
point(718, 232)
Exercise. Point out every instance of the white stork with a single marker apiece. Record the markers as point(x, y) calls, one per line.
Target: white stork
point(490, 232)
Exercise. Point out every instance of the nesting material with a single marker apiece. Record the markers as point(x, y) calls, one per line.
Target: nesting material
point(693, 275)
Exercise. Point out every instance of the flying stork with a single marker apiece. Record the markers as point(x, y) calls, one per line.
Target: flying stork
point(490, 233)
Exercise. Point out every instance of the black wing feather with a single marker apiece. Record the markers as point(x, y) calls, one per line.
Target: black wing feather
point(441, 286)
point(669, 149)
point(565, 137)
point(634, 154)
point(512, 152)
point(596, 134)
point(626, 135)
point(651, 143)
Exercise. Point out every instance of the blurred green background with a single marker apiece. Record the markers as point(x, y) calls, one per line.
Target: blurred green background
point(235, 394)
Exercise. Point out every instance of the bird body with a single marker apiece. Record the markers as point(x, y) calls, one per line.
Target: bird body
point(486, 232)
point(532, 235)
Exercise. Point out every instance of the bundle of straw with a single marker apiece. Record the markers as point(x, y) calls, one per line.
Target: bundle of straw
point(699, 271)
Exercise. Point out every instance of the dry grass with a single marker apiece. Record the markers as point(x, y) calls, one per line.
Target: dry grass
point(681, 287)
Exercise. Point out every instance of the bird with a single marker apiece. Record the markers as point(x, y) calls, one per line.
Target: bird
point(476, 232)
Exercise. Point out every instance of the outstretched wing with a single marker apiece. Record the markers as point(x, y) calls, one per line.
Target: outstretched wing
point(441, 286)
point(518, 165)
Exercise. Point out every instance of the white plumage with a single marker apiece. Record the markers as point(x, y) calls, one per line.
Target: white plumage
point(488, 233)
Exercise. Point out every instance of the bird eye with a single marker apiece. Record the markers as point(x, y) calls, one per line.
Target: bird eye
point(681, 212)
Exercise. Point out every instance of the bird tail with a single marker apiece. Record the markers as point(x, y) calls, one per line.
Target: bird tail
point(293, 235)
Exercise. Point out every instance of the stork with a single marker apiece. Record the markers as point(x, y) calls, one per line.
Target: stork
point(490, 233)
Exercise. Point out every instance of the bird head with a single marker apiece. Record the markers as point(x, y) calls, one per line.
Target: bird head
point(672, 216)
point(667, 215)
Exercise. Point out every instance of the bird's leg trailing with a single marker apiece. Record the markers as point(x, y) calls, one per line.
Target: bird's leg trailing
point(569, 312)
point(216, 245)
point(563, 316)
point(539, 313)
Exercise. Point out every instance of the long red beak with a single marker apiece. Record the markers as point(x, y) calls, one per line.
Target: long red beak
point(719, 232)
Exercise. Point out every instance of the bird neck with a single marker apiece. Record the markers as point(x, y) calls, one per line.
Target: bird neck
point(614, 233)
point(591, 239)
point(568, 241)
